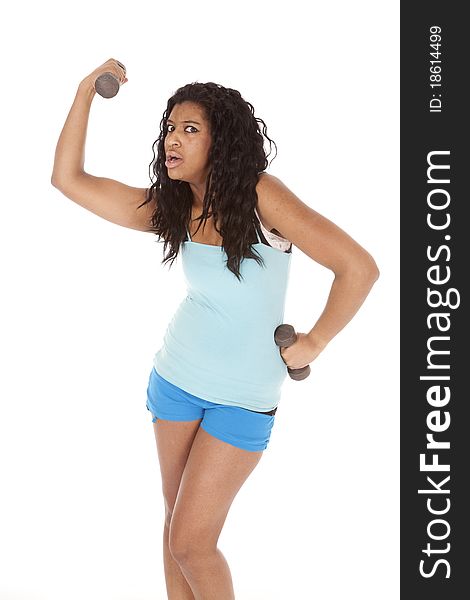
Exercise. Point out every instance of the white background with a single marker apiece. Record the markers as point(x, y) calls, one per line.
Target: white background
point(85, 303)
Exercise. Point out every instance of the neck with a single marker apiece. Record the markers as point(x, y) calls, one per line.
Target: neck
point(198, 189)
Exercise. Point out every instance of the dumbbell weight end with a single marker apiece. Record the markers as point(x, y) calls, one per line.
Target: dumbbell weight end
point(285, 336)
point(107, 85)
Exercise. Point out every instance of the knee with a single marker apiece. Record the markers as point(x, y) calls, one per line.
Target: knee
point(182, 548)
point(188, 546)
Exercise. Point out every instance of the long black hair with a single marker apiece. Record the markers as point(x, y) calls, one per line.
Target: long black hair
point(236, 159)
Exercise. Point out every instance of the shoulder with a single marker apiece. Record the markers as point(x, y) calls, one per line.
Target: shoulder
point(267, 190)
point(277, 205)
point(266, 181)
point(314, 234)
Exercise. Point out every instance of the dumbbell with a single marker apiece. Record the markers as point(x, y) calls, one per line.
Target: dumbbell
point(285, 336)
point(107, 84)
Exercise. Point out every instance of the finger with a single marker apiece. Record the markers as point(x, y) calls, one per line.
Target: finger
point(122, 75)
point(122, 67)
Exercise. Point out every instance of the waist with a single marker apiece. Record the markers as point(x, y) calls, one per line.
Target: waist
point(222, 358)
point(216, 326)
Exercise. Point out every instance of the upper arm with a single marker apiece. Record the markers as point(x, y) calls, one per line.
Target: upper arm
point(110, 199)
point(318, 237)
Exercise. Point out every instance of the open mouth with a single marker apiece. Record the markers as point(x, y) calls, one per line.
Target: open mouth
point(172, 161)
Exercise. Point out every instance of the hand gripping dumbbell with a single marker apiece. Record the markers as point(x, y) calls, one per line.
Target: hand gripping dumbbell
point(107, 84)
point(285, 336)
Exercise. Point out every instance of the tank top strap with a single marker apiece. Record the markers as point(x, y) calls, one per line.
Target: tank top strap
point(258, 225)
point(189, 237)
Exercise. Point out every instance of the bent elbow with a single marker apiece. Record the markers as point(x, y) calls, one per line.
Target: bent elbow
point(377, 273)
point(367, 270)
point(54, 181)
point(373, 271)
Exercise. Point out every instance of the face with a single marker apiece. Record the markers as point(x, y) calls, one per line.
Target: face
point(188, 135)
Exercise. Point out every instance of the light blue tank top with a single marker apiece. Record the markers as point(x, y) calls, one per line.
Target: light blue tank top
point(219, 345)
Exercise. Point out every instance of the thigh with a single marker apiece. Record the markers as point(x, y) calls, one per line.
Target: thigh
point(176, 421)
point(174, 440)
point(214, 473)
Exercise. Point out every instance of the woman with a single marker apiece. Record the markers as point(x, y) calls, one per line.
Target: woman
point(215, 382)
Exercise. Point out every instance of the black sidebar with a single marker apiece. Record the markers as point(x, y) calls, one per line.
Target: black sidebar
point(435, 358)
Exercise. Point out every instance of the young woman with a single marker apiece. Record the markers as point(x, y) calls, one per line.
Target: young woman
point(215, 383)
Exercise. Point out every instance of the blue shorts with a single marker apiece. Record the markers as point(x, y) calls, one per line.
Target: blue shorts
point(241, 427)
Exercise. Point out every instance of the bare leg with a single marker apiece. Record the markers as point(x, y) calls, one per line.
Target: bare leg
point(177, 587)
point(174, 440)
point(209, 576)
point(213, 475)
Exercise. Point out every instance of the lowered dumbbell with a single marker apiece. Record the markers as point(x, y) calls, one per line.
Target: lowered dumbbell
point(285, 336)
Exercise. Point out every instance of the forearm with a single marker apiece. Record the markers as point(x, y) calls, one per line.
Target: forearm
point(347, 294)
point(69, 158)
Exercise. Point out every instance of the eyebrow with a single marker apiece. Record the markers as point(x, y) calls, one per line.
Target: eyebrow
point(170, 121)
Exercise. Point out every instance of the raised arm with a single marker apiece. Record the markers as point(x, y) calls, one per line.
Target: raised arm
point(107, 198)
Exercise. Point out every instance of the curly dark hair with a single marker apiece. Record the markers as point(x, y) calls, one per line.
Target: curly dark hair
point(236, 159)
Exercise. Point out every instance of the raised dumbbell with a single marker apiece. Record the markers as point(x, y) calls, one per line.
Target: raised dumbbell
point(285, 336)
point(107, 84)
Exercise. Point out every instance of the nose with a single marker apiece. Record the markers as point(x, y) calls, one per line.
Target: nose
point(172, 138)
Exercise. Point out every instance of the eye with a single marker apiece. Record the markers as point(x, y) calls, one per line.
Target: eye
point(192, 127)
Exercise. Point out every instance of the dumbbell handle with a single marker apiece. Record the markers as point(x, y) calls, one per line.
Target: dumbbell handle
point(107, 84)
point(285, 336)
